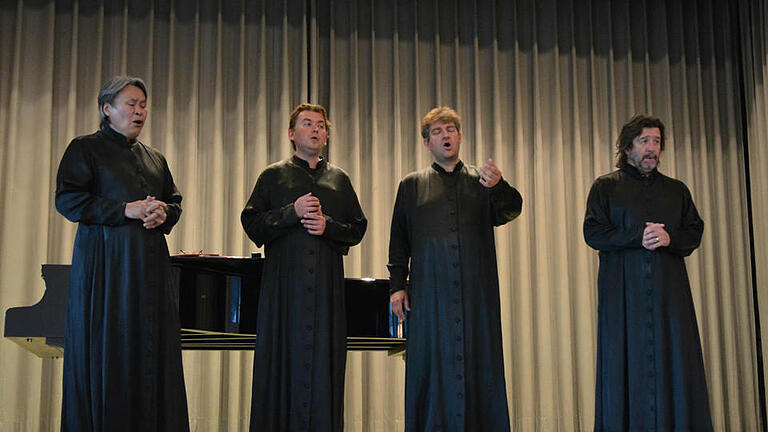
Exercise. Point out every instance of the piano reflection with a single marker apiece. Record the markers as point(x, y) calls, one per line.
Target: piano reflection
point(217, 307)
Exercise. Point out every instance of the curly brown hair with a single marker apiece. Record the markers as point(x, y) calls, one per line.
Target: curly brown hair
point(439, 114)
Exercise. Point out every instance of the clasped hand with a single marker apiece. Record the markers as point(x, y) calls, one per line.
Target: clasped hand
point(150, 210)
point(308, 208)
point(655, 236)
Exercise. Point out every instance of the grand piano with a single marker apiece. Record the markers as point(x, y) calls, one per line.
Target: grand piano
point(218, 299)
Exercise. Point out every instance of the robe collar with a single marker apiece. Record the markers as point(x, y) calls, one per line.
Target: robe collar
point(634, 172)
point(116, 136)
point(304, 164)
point(441, 170)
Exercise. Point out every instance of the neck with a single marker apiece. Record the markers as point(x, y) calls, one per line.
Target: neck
point(311, 159)
point(447, 165)
point(640, 170)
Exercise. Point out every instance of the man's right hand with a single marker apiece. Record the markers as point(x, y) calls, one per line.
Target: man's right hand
point(400, 303)
point(306, 204)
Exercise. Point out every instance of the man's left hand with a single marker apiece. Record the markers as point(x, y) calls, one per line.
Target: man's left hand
point(489, 174)
point(155, 213)
point(314, 223)
point(655, 236)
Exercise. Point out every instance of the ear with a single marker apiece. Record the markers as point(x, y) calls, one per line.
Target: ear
point(426, 143)
point(290, 134)
point(106, 108)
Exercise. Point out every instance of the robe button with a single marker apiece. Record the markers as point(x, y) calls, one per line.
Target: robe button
point(458, 338)
point(455, 301)
point(311, 251)
point(453, 229)
point(307, 366)
point(454, 246)
point(309, 327)
point(306, 386)
point(307, 346)
point(460, 395)
point(455, 283)
point(458, 358)
point(311, 270)
point(309, 289)
point(458, 376)
point(455, 265)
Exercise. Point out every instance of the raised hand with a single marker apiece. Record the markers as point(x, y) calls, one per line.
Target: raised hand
point(489, 174)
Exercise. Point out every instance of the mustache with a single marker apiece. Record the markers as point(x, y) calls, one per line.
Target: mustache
point(650, 156)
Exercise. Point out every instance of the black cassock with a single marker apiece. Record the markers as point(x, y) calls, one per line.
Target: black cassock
point(122, 352)
point(442, 230)
point(301, 353)
point(650, 373)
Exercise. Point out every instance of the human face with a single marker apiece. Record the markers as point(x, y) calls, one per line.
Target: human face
point(646, 147)
point(128, 112)
point(309, 135)
point(443, 142)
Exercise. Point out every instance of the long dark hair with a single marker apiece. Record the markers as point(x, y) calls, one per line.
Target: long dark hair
point(632, 129)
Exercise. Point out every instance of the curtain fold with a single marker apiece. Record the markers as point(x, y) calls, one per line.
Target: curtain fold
point(543, 88)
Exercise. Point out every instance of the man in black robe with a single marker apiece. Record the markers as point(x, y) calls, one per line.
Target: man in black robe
point(442, 233)
point(122, 349)
point(650, 373)
point(307, 214)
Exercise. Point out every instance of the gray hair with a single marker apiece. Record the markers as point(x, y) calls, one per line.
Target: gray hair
point(112, 88)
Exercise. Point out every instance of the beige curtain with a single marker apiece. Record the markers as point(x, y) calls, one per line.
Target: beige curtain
point(754, 20)
point(543, 87)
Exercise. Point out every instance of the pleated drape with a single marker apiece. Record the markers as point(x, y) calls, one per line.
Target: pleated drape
point(543, 88)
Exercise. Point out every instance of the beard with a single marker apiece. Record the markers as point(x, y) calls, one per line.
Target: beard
point(646, 163)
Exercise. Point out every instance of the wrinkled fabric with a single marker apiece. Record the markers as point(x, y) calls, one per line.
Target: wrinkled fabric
point(650, 373)
point(442, 235)
point(300, 356)
point(122, 362)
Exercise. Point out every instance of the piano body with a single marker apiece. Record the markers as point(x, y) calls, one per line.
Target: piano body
point(218, 299)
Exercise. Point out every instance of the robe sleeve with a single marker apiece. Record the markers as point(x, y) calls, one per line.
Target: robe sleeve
point(74, 197)
point(172, 197)
point(348, 232)
point(685, 238)
point(399, 243)
point(263, 223)
point(506, 203)
point(599, 232)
